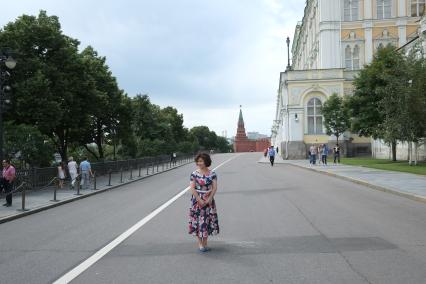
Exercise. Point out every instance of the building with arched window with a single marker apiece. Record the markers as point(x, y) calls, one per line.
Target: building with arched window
point(331, 44)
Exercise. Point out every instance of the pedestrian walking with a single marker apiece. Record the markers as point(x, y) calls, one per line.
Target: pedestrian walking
point(73, 170)
point(271, 154)
point(336, 152)
point(324, 154)
point(319, 151)
point(61, 174)
point(174, 158)
point(312, 155)
point(203, 219)
point(86, 172)
point(8, 177)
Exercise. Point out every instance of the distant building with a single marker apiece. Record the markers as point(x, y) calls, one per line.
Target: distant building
point(242, 143)
point(256, 136)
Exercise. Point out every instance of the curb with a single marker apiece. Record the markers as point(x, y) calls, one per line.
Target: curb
point(367, 184)
point(78, 197)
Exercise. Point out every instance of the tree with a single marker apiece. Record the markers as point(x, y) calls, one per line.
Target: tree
point(336, 116)
point(50, 87)
point(377, 86)
point(105, 107)
point(415, 105)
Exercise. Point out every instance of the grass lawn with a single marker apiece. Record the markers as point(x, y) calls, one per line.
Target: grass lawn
point(399, 166)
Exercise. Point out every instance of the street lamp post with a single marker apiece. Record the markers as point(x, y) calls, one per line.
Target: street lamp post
point(10, 63)
point(288, 53)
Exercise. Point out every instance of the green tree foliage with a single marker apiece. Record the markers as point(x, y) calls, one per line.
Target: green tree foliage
point(49, 85)
point(105, 108)
point(208, 140)
point(336, 116)
point(27, 144)
point(389, 101)
point(72, 100)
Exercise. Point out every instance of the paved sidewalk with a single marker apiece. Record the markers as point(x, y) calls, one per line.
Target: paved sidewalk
point(278, 160)
point(404, 184)
point(38, 200)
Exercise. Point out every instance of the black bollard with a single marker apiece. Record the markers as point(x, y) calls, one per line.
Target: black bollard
point(131, 173)
point(121, 175)
point(109, 177)
point(94, 181)
point(147, 169)
point(54, 192)
point(140, 168)
point(153, 167)
point(78, 186)
point(23, 201)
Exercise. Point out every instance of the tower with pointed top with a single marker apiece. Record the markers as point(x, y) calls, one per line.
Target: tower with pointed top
point(243, 144)
point(241, 130)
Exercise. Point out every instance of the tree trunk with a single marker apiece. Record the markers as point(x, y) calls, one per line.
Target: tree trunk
point(61, 143)
point(410, 152)
point(416, 148)
point(98, 139)
point(394, 150)
point(91, 152)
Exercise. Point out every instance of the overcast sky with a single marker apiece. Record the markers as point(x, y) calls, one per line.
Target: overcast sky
point(204, 57)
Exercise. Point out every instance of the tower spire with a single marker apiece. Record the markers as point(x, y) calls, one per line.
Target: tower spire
point(240, 118)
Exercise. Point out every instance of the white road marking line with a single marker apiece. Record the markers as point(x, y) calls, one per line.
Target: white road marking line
point(72, 274)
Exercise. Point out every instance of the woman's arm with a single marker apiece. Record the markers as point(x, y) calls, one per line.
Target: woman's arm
point(214, 189)
point(195, 194)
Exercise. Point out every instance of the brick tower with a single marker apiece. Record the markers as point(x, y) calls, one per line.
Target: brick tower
point(241, 130)
point(243, 144)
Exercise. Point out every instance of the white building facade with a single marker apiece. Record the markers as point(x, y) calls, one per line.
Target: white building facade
point(332, 42)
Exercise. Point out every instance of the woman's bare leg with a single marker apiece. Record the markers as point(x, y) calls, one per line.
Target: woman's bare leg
point(200, 242)
point(204, 242)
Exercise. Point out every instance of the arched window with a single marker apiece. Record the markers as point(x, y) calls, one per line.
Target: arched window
point(355, 58)
point(348, 57)
point(384, 9)
point(314, 116)
point(350, 10)
point(417, 7)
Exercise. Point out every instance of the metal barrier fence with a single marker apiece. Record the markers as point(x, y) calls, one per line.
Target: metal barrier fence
point(37, 178)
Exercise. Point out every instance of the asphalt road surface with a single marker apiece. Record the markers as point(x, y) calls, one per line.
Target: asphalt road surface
point(278, 224)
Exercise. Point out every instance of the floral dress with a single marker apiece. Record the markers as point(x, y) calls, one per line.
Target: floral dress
point(203, 221)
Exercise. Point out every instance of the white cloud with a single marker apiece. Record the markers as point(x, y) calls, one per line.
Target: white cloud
point(204, 57)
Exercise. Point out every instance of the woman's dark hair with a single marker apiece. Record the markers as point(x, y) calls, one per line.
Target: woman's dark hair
point(205, 157)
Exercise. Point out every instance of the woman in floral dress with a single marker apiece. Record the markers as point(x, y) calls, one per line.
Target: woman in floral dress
point(203, 221)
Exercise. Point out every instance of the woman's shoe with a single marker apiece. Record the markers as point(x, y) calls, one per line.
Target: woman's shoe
point(203, 249)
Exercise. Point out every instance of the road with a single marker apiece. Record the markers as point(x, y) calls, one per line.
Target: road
point(279, 224)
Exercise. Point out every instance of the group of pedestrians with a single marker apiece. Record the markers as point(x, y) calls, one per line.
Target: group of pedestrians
point(84, 168)
point(321, 152)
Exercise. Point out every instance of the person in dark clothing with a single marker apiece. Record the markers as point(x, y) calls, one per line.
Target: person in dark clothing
point(336, 152)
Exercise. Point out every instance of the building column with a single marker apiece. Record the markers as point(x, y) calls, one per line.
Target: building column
point(368, 32)
point(368, 9)
point(402, 8)
point(402, 34)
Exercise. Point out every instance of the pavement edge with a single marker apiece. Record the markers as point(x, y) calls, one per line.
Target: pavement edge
point(367, 184)
point(78, 197)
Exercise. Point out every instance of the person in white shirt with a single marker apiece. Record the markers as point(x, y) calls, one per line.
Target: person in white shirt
point(72, 169)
